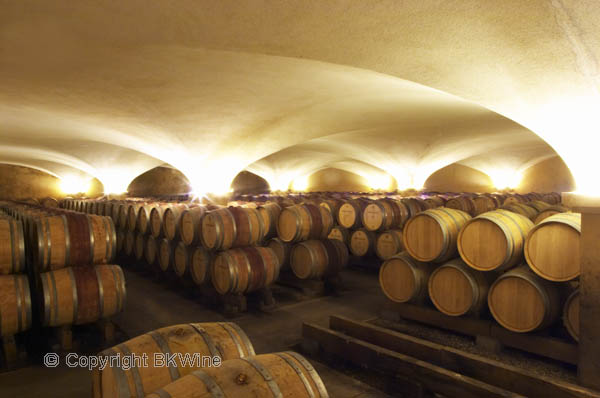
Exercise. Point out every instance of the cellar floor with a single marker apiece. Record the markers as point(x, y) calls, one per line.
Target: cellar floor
point(151, 305)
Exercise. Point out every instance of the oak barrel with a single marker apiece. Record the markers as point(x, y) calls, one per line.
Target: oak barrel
point(282, 375)
point(552, 247)
point(522, 209)
point(378, 216)
point(304, 222)
point(171, 220)
point(431, 236)
point(315, 259)
point(282, 250)
point(15, 304)
point(270, 215)
point(12, 246)
point(404, 279)
point(340, 233)
point(349, 214)
point(362, 242)
point(231, 227)
point(522, 302)
point(389, 243)
point(156, 219)
point(183, 259)
point(223, 339)
point(456, 289)
point(190, 223)
point(571, 314)
point(494, 240)
point(166, 254)
point(139, 246)
point(200, 267)
point(150, 250)
point(244, 270)
point(78, 295)
point(550, 211)
point(483, 204)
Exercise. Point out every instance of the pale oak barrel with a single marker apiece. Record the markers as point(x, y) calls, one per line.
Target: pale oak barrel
point(190, 224)
point(431, 236)
point(282, 250)
point(494, 240)
point(404, 279)
point(389, 243)
point(171, 220)
point(282, 375)
point(340, 233)
point(362, 242)
point(571, 314)
point(522, 302)
point(223, 339)
point(166, 254)
point(552, 248)
point(201, 265)
point(456, 289)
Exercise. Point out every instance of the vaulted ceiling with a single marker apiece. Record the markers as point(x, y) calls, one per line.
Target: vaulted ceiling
point(281, 88)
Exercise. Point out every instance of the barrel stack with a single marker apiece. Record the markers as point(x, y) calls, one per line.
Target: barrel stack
point(70, 257)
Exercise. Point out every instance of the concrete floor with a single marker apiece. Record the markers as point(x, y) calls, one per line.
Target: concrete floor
point(153, 304)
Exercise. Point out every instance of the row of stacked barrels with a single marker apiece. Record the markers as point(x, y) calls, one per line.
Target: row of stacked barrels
point(523, 272)
point(68, 257)
point(214, 359)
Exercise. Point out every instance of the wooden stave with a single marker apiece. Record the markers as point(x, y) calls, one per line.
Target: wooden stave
point(371, 239)
point(224, 339)
point(224, 236)
point(171, 220)
point(198, 277)
point(192, 216)
point(244, 269)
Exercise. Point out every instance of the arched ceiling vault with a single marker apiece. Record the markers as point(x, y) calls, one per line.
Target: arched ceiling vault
point(213, 88)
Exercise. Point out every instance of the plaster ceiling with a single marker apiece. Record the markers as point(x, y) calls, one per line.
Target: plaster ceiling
point(285, 88)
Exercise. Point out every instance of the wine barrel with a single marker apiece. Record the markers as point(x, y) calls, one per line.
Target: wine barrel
point(332, 204)
point(244, 270)
point(315, 259)
point(435, 201)
point(463, 203)
point(350, 213)
point(552, 198)
point(183, 259)
point(223, 339)
point(143, 218)
point(189, 225)
point(362, 242)
point(49, 202)
point(389, 243)
point(78, 295)
point(200, 267)
point(166, 254)
point(116, 213)
point(340, 233)
point(455, 289)
point(494, 240)
point(522, 302)
point(538, 205)
point(133, 211)
point(515, 199)
point(522, 209)
point(304, 222)
point(12, 246)
point(120, 240)
point(378, 216)
point(552, 247)
point(15, 304)
point(571, 314)
point(404, 279)
point(431, 235)
point(283, 374)
point(171, 220)
point(231, 227)
point(483, 204)
point(270, 215)
point(156, 219)
point(129, 244)
point(150, 250)
point(107, 210)
point(413, 205)
point(139, 246)
point(282, 250)
point(52, 244)
point(123, 218)
point(550, 211)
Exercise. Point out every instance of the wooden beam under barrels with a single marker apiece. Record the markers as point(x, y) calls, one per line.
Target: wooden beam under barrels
point(476, 366)
point(546, 346)
point(436, 379)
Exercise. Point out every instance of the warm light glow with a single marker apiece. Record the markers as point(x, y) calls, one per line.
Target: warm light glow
point(300, 183)
point(75, 184)
point(115, 180)
point(505, 178)
point(379, 181)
